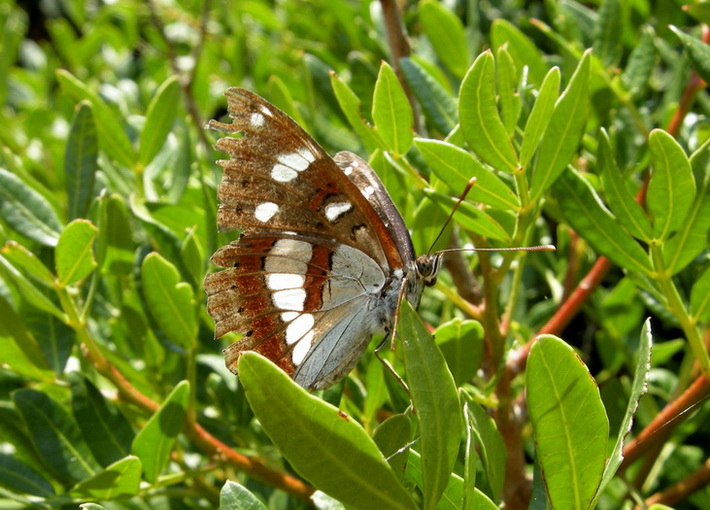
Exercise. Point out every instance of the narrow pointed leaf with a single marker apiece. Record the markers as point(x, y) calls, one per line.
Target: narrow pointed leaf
point(471, 218)
point(478, 115)
point(639, 387)
point(171, 301)
point(608, 32)
point(155, 441)
point(540, 115)
point(27, 262)
point(159, 119)
point(585, 212)
point(19, 349)
point(489, 443)
point(455, 167)
point(671, 190)
point(392, 437)
point(27, 211)
point(524, 52)
point(446, 34)
point(569, 423)
point(352, 108)
point(327, 448)
point(561, 139)
point(119, 480)
point(392, 112)
point(692, 236)
point(698, 51)
point(22, 478)
point(55, 435)
point(438, 106)
point(436, 402)
point(75, 254)
point(81, 161)
point(508, 95)
point(638, 70)
point(700, 298)
point(112, 137)
point(107, 433)
point(629, 212)
point(30, 293)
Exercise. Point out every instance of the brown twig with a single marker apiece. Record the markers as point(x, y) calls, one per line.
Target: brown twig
point(185, 84)
point(681, 490)
point(399, 48)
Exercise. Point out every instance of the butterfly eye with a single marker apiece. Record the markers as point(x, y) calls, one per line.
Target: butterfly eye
point(428, 267)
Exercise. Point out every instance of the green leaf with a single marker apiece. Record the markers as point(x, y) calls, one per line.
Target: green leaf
point(671, 189)
point(478, 115)
point(22, 478)
point(81, 161)
point(392, 112)
point(470, 458)
point(569, 423)
point(237, 497)
point(170, 301)
point(438, 106)
point(698, 51)
point(436, 402)
point(392, 437)
point(159, 119)
point(561, 139)
point(156, 439)
point(586, 214)
point(55, 435)
point(120, 480)
point(508, 96)
point(524, 52)
point(55, 338)
point(637, 73)
point(490, 446)
point(607, 32)
point(27, 262)
point(107, 433)
point(455, 167)
point(327, 448)
point(27, 211)
point(446, 34)
point(74, 255)
point(352, 108)
point(629, 212)
point(639, 386)
point(19, 349)
point(692, 236)
point(461, 343)
point(470, 217)
point(30, 293)
point(540, 115)
point(700, 298)
point(112, 137)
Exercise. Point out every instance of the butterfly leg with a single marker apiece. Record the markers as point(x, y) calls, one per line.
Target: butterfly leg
point(392, 334)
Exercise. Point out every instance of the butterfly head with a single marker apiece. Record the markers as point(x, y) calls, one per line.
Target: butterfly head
point(428, 267)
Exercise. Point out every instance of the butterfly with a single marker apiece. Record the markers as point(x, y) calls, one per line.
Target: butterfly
point(323, 258)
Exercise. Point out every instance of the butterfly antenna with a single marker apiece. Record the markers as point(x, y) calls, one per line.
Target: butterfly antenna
point(468, 187)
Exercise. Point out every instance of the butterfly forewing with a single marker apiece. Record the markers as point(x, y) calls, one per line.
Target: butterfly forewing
point(311, 277)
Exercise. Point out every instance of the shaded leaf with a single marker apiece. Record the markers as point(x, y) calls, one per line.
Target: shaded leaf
point(446, 34)
point(438, 105)
point(698, 51)
point(22, 478)
point(461, 343)
point(524, 52)
point(30, 293)
point(159, 119)
point(27, 211)
point(585, 213)
point(26, 261)
point(80, 161)
point(436, 402)
point(156, 439)
point(55, 435)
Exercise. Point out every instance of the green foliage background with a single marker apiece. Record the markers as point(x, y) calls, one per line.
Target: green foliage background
point(113, 391)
